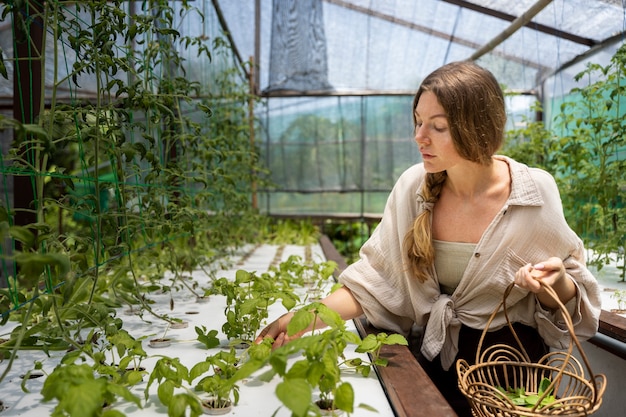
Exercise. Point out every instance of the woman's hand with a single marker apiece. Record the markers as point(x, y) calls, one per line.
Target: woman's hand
point(551, 272)
point(277, 330)
point(342, 301)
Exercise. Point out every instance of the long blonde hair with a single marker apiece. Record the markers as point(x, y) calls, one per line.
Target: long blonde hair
point(474, 105)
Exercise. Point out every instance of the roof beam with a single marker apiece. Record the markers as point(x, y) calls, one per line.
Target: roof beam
point(532, 25)
point(428, 30)
point(513, 27)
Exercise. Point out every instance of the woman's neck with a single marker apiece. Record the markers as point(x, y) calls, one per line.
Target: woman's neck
point(472, 180)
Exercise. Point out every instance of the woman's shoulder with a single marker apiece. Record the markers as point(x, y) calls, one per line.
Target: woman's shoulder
point(409, 182)
point(529, 174)
point(531, 185)
point(413, 174)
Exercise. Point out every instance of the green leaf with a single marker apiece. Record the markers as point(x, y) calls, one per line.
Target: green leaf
point(35, 263)
point(22, 234)
point(396, 339)
point(35, 130)
point(329, 316)
point(531, 399)
point(299, 322)
point(165, 391)
point(177, 406)
point(369, 344)
point(111, 412)
point(544, 385)
point(3, 68)
point(199, 369)
point(123, 392)
point(315, 372)
point(295, 394)
point(344, 397)
point(381, 362)
point(4, 214)
point(300, 369)
point(367, 407)
point(134, 377)
point(84, 399)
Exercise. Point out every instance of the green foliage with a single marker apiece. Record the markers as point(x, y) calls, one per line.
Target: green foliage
point(539, 400)
point(218, 373)
point(372, 344)
point(80, 393)
point(349, 236)
point(587, 157)
point(289, 232)
point(248, 298)
point(320, 367)
point(208, 338)
point(323, 356)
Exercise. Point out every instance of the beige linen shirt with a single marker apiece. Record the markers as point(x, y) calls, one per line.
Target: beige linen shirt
point(529, 228)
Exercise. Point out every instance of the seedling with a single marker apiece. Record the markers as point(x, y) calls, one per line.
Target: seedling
point(620, 296)
point(207, 337)
point(372, 344)
point(319, 370)
point(520, 397)
point(248, 298)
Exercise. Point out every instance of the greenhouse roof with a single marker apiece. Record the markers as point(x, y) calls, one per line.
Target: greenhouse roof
point(378, 47)
point(389, 46)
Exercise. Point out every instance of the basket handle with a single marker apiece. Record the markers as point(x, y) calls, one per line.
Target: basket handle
point(568, 322)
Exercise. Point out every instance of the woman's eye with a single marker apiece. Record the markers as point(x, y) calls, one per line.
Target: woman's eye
point(440, 128)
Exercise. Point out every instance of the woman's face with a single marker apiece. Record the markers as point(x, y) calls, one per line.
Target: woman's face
point(432, 135)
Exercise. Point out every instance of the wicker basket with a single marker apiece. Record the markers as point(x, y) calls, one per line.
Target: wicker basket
point(502, 367)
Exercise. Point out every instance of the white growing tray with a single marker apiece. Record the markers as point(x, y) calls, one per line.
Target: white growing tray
point(257, 398)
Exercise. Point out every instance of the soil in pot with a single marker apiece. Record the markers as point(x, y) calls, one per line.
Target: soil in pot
point(139, 369)
point(327, 408)
point(160, 343)
point(215, 407)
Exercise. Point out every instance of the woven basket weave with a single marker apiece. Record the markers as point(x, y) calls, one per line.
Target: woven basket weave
point(577, 393)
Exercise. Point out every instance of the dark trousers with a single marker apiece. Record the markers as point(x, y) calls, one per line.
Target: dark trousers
point(446, 381)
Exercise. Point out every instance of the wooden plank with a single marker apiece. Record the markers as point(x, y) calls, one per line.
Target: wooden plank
point(613, 325)
point(410, 391)
point(331, 254)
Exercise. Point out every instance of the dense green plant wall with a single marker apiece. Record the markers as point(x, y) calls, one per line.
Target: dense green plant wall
point(152, 162)
point(586, 151)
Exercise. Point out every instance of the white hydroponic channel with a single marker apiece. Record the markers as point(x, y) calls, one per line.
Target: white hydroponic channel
point(257, 398)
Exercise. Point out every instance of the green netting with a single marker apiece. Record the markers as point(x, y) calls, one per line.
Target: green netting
point(341, 155)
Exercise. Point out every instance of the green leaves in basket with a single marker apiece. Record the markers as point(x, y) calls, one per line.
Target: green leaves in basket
point(519, 397)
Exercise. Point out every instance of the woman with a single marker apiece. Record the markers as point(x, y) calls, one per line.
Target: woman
point(456, 230)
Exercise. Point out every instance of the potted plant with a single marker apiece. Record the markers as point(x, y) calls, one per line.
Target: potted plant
point(248, 297)
point(70, 381)
point(217, 384)
point(319, 369)
point(372, 344)
point(220, 385)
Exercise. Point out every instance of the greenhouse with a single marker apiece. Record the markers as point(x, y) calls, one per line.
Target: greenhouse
point(192, 173)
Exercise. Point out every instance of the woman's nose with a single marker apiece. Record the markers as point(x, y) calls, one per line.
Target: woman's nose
point(421, 135)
